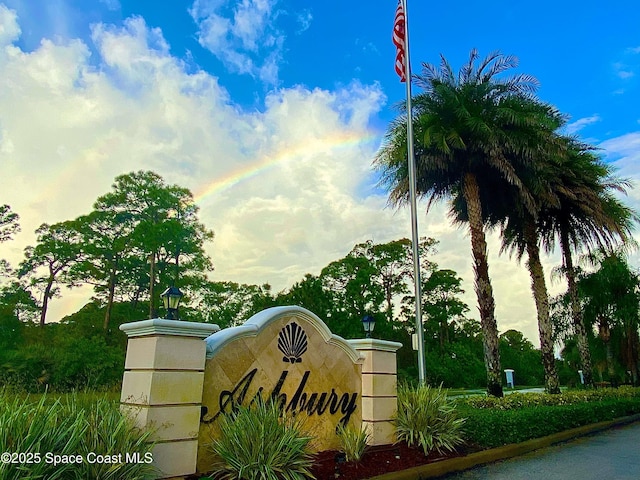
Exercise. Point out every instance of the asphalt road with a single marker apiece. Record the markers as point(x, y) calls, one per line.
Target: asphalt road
point(608, 455)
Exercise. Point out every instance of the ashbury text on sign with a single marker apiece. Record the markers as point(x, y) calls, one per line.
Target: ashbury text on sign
point(289, 355)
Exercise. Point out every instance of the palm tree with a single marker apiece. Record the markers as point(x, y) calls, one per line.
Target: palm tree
point(610, 295)
point(587, 215)
point(469, 128)
point(520, 234)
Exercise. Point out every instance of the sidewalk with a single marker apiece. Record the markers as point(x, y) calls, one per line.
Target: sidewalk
point(606, 455)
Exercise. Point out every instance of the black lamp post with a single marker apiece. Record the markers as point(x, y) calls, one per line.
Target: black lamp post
point(171, 298)
point(369, 323)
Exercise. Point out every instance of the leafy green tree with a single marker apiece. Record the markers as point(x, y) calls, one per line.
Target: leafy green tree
point(229, 304)
point(461, 364)
point(58, 248)
point(519, 354)
point(165, 232)
point(441, 305)
point(350, 281)
point(142, 234)
point(310, 294)
point(470, 128)
point(392, 263)
point(106, 239)
point(370, 279)
point(17, 307)
point(9, 223)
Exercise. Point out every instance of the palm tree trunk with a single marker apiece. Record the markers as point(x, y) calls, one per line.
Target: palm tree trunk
point(484, 291)
point(541, 296)
point(576, 312)
point(605, 335)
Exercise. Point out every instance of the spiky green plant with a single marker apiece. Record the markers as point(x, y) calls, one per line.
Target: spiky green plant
point(112, 432)
point(69, 427)
point(353, 442)
point(262, 443)
point(427, 419)
point(35, 428)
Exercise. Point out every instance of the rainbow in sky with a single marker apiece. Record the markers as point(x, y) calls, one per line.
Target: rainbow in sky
point(335, 143)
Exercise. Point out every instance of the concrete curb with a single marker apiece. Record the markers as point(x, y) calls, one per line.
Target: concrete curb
point(444, 467)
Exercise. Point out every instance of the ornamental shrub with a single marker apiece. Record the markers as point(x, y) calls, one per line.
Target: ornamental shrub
point(33, 429)
point(493, 422)
point(70, 427)
point(427, 419)
point(519, 400)
point(262, 443)
point(353, 442)
point(110, 432)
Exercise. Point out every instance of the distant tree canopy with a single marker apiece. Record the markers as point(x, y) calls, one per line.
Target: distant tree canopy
point(144, 235)
point(8, 223)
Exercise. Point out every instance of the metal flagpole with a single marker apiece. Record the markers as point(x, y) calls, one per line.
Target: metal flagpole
point(422, 368)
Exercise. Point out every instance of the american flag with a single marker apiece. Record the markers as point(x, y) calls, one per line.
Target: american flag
point(398, 41)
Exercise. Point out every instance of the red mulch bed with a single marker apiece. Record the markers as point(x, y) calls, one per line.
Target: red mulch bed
point(330, 465)
point(375, 461)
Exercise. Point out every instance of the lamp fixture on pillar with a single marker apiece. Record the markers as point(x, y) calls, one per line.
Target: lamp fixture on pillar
point(369, 323)
point(171, 298)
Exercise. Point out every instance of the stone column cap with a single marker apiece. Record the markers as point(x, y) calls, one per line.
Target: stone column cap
point(374, 344)
point(162, 326)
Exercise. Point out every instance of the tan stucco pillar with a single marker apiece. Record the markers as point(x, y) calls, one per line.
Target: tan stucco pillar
point(379, 388)
point(162, 387)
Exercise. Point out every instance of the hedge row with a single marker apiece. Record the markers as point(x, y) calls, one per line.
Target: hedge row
point(494, 427)
point(519, 400)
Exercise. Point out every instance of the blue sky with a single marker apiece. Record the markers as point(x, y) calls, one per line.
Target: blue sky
point(272, 110)
point(585, 54)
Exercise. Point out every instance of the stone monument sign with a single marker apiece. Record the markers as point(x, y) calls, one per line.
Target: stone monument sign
point(180, 377)
point(287, 355)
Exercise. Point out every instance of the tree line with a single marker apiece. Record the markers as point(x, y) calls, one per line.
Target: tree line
point(372, 279)
point(145, 233)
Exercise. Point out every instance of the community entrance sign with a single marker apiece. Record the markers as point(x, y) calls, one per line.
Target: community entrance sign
point(181, 377)
point(287, 355)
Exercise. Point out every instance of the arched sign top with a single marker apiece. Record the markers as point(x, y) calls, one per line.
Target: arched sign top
point(291, 342)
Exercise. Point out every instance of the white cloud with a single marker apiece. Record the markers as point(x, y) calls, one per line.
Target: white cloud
point(625, 74)
point(304, 19)
point(281, 188)
point(244, 35)
point(579, 124)
point(113, 5)
point(627, 67)
point(9, 28)
point(626, 147)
